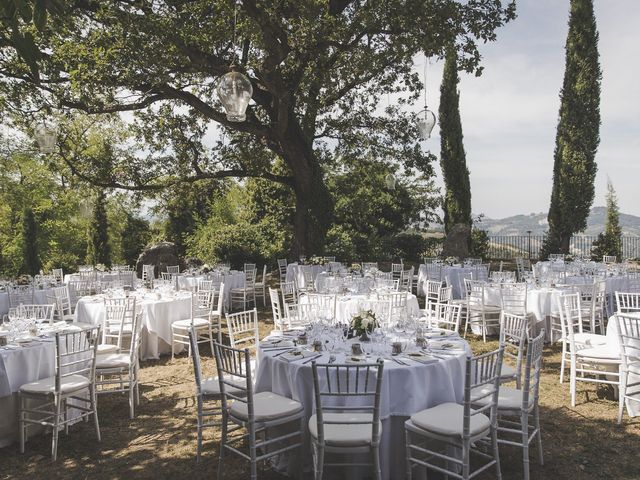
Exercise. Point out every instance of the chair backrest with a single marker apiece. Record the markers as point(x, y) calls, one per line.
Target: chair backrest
point(234, 375)
point(627, 302)
point(289, 294)
point(148, 273)
point(76, 354)
point(570, 313)
point(628, 330)
point(249, 267)
point(250, 278)
point(353, 389)
point(532, 371)
point(217, 300)
point(282, 269)
point(21, 294)
point(556, 257)
point(434, 272)
point(329, 259)
point(243, 328)
point(475, 294)
point(276, 308)
point(39, 313)
point(397, 302)
point(195, 356)
point(80, 288)
point(63, 300)
point(406, 279)
point(482, 380)
point(205, 285)
point(513, 335)
point(445, 295)
point(432, 291)
point(174, 269)
point(325, 302)
point(201, 304)
point(445, 316)
point(58, 275)
point(119, 317)
point(369, 266)
point(481, 272)
point(263, 280)
point(301, 314)
point(633, 279)
point(513, 297)
point(609, 259)
point(396, 270)
point(463, 285)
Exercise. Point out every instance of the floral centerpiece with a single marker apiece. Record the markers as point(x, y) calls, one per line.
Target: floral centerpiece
point(364, 323)
point(355, 268)
point(101, 267)
point(451, 261)
point(315, 260)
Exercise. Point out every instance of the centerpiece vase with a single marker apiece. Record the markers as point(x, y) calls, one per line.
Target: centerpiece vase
point(365, 337)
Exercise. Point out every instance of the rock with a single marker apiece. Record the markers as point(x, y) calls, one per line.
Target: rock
point(161, 255)
point(457, 241)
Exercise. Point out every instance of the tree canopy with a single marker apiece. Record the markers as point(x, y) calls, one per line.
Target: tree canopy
point(320, 70)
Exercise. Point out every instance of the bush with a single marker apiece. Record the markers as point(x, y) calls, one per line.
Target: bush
point(479, 243)
point(409, 246)
point(340, 243)
point(606, 245)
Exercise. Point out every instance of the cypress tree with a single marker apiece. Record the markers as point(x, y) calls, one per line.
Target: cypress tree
point(99, 250)
point(610, 241)
point(457, 200)
point(30, 254)
point(578, 132)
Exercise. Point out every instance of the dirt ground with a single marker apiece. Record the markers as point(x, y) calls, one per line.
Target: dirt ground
point(579, 443)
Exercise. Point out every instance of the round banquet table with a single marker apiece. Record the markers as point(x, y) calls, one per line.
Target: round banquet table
point(295, 273)
point(157, 316)
point(39, 297)
point(233, 279)
point(18, 366)
point(405, 391)
point(349, 305)
point(451, 274)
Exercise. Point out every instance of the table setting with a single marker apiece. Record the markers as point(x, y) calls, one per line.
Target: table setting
point(159, 308)
point(423, 368)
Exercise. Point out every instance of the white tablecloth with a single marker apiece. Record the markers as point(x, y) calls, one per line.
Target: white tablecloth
point(157, 316)
point(39, 297)
point(17, 367)
point(294, 272)
point(450, 274)
point(348, 306)
point(101, 276)
point(231, 280)
point(405, 391)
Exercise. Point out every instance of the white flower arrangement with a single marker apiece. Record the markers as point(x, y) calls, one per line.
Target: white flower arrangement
point(365, 321)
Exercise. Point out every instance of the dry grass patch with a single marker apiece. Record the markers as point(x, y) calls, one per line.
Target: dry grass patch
point(581, 443)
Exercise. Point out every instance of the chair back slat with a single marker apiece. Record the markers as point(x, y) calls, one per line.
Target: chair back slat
point(75, 354)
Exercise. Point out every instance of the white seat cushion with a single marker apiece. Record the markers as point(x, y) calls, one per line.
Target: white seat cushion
point(267, 406)
point(197, 322)
point(113, 360)
point(126, 330)
point(507, 371)
point(107, 348)
point(592, 339)
point(446, 419)
point(211, 386)
point(48, 385)
point(347, 435)
point(601, 352)
point(508, 398)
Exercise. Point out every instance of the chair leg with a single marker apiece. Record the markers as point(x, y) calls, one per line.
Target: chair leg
point(621, 394)
point(131, 399)
point(563, 360)
point(407, 446)
point(56, 423)
point(496, 452)
point(223, 443)
point(466, 460)
point(199, 420)
point(21, 422)
point(536, 419)
point(320, 461)
point(94, 407)
point(377, 472)
point(524, 425)
point(572, 383)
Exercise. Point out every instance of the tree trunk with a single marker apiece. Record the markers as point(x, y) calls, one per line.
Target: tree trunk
point(314, 205)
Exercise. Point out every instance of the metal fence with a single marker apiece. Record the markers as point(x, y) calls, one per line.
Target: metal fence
point(507, 247)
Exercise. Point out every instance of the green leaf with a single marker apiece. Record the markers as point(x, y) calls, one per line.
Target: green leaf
point(24, 9)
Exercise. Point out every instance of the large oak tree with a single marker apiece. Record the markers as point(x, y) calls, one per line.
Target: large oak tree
point(319, 70)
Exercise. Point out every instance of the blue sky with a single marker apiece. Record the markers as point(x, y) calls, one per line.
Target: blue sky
point(509, 114)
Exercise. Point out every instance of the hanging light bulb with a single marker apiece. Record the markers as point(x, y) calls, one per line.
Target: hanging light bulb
point(390, 181)
point(46, 136)
point(425, 121)
point(235, 91)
